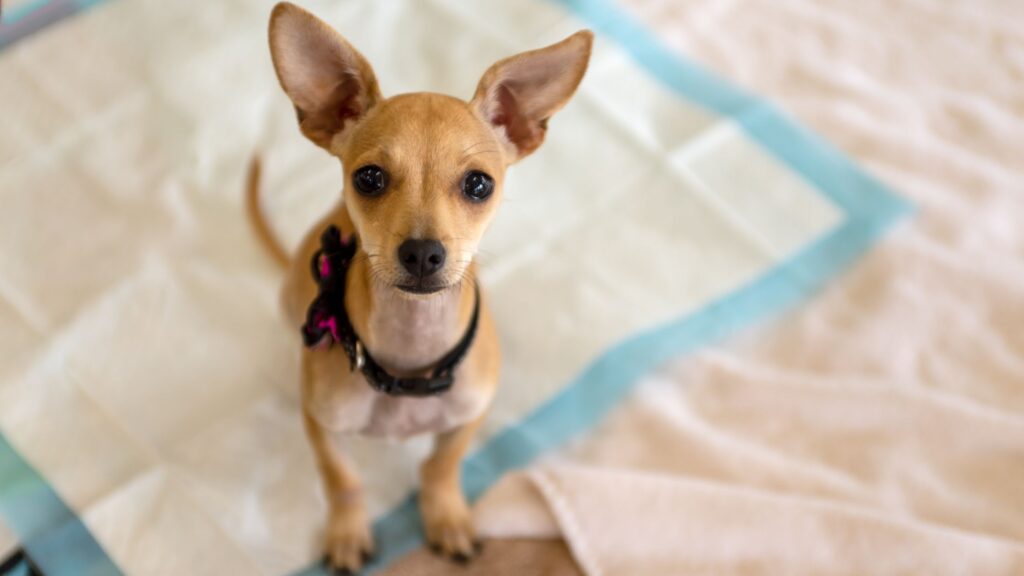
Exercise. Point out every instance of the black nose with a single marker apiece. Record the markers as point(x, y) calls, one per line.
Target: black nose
point(421, 257)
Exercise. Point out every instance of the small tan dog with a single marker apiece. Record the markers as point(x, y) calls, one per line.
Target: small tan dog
point(398, 340)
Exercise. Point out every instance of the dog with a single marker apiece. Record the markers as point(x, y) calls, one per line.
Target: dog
point(399, 339)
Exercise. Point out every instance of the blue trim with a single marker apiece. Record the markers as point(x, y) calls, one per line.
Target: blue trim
point(22, 569)
point(13, 15)
point(49, 531)
point(40, 518)
point(22, 21)
point(686, 78)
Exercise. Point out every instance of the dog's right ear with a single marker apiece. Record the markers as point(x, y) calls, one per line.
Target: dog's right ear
point(328, 81)
point(518, 95)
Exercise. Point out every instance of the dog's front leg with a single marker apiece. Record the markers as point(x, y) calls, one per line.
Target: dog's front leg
point(348, 540)
point(446, 515)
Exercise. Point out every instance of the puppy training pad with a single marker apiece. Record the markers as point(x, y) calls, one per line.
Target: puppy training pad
point(149, 398)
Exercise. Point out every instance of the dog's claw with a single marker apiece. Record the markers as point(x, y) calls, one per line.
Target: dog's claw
point(460, 558)
point(449, 526)
point(349, 542)
point(335, 570)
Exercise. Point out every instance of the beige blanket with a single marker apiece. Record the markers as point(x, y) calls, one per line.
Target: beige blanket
point(878, 429)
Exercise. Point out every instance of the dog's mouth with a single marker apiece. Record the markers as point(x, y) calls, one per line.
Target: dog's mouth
point(420, 289)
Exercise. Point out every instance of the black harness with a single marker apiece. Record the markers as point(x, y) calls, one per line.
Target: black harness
point(327, 317)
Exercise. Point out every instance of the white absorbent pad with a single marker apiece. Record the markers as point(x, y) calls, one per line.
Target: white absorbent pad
point(148, 384)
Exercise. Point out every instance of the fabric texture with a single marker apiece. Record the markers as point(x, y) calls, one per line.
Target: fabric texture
point(880, 428)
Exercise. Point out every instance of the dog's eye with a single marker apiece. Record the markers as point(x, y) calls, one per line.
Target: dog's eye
point(477, 186)
point(370, 180)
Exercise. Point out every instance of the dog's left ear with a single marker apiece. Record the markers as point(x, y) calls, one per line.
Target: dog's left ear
point(517, 95)
point(328, 81)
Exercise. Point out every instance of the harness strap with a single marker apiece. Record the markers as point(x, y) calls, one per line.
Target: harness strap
point(328, 318)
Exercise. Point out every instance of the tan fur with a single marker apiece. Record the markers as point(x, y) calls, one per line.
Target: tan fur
point(426, 142)
point(259, 224)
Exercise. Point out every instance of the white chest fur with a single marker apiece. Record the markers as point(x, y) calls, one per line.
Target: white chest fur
point(409, 334)
point(404, 335)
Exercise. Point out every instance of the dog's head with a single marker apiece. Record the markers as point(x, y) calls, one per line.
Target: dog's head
point(423, 171)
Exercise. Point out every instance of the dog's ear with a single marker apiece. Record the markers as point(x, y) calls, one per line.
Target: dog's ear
point(328, 80)
point(517, 95)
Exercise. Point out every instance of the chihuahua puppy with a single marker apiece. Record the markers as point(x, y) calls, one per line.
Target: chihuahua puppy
point(423, 180)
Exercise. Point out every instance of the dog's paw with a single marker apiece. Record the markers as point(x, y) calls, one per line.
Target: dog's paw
point(349, 541)
point(449, 526)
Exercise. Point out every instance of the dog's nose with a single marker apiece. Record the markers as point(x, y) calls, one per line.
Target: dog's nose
point(421, 257)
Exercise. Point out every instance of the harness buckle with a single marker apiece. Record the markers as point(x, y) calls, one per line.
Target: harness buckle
point(360, 355)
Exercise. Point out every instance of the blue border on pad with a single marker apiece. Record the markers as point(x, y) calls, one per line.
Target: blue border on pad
point(52, 535)
point(60, 543)
point(24, 20)
point(13, 15)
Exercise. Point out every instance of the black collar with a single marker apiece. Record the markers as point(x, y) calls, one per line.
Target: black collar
point(327, 317)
